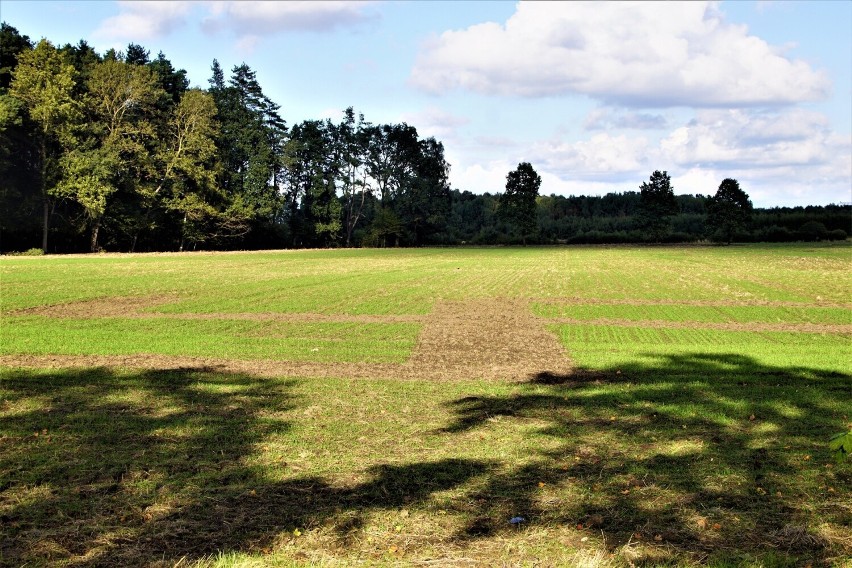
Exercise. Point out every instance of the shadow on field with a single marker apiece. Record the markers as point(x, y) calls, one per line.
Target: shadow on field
point(151, 467)
point(698, 456)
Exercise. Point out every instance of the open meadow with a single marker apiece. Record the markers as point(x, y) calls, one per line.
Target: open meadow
point(573, 406)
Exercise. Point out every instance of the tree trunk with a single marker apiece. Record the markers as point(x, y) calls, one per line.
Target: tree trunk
point(95, 228)
point(182, 232)
point(44, 195)
point(45, 224)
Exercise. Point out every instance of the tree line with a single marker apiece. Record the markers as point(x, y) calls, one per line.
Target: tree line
point(118, 152)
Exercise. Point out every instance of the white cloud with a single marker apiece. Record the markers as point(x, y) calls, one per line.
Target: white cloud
point(249, 21)
point(489, 177)
point(138, 21)
point(744, 140)
point(654, 54)
point(787, 157)
point(264, 18)
point(601, 156)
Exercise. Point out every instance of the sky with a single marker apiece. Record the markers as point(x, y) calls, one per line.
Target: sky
point(596, 96)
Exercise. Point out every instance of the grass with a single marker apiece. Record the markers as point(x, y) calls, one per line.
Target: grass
point(220, 338)
point(685, 446)
point(699, 314)
point(603, 346)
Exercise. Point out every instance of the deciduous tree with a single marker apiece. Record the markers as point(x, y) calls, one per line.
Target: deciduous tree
point(120, 142)
point(44, 82)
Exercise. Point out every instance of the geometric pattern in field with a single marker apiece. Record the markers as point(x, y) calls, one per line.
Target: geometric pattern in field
point(487, 338)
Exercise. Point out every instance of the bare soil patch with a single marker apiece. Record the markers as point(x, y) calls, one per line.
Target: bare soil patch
point(493, 337)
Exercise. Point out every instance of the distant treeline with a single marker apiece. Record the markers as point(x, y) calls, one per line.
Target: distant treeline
point(117, 152)
point(617, 218)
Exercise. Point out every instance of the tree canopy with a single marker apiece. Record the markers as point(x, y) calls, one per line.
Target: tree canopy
point(729, 211)
point(518, 204)
point(657, 204)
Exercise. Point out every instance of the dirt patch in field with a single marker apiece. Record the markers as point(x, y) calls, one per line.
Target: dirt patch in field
point(730, 326)
point(491, 338)
point(494, 339)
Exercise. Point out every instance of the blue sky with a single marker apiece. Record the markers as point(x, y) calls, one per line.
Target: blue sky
point(595, 95)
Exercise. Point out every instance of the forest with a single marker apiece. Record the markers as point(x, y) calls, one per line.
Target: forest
point(116, 152)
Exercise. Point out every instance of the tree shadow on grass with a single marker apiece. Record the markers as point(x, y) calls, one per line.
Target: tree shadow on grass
point(106, 468)
point(699, 456)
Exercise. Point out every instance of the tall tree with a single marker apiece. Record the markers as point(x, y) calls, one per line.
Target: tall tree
point(19, 192)
point(425, 203)
point(252, 142)
point(517, 205)
point(729, 211)
point(657, 204)
point(173, 81)
point(392, 156)
point(356, 184)
point(84, 58)
point(44, 82)
point(314, 172)
point(118, 150)
point(186, 162)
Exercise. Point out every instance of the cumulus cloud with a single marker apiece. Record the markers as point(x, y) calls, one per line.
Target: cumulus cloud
point(779, 157)
point(654, 54)
point(263, 18)
point(601, 156)
point(138, 21)
point(756, 140)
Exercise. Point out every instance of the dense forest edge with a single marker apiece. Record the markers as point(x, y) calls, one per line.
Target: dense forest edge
point(117, 152)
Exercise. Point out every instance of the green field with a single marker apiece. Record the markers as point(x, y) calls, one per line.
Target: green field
point(634, 405)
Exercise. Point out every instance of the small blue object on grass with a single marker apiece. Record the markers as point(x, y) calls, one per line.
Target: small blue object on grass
point(516, 520)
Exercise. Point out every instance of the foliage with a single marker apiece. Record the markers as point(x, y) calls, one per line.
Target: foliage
point(729, 211)
point(43, 82)
point(28, 252)
point(841, 445)
point(518, 203)
point(12, 43)
point(657, 205)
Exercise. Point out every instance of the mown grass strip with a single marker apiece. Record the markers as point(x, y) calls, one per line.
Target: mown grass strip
point(601, 346)
point(711, 314)
point(220, 338)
